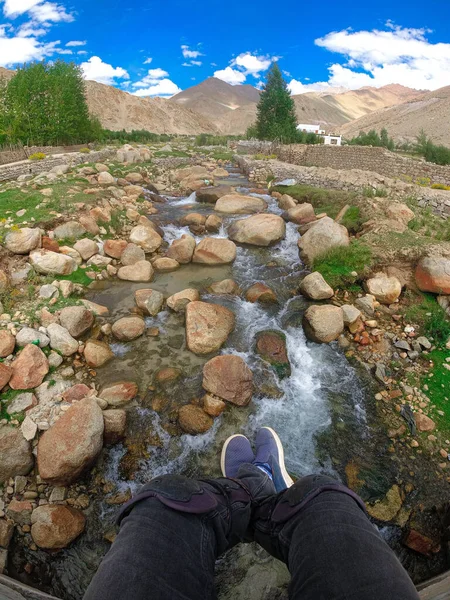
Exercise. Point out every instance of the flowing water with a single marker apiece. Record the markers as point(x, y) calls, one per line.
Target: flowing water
point(319, 411)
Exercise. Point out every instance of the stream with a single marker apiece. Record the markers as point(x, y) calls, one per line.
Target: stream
point(322, 411)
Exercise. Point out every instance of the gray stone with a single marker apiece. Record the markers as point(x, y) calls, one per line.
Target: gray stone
point(21, 402)
point(424, 342)
point(402, 345)
point(23, 240)
point(48, 291)
point(61, 340)
point(30, 336)
point(69, 230)
point(15, 452)
point(366, 304)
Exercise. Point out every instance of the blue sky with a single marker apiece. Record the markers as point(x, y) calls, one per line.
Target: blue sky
point(160, 47)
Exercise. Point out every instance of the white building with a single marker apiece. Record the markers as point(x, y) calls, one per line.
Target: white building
point(333, 140)
point(308, 128)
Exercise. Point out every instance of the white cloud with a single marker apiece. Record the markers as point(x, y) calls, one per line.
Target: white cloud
point(102, 72)
point(188, 53)
point(153, 75)
point(196, 63)
point(231, 76)
point(252, 64)
point(64, 51)
point(31, 30)
point(80, 52)
point(148, 60)
point(40, 11)
point(14, 8)
point(75, 43)
point(380, 57)
point(161, 87)
point(21, 49)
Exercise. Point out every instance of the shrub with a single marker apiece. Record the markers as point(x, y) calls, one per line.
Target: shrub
point(423, 181)
point(37, 156)
point(370, 192)
point(352, 219)
point(440, 186)
point(84, 150)
point(430, 317)
point(338, 264)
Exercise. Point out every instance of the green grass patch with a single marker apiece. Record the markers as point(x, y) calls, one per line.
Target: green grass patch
point(329, 201)
point(337, 265)
point(369, 192)
point(222, 155)
point(428, 224)
point(438, 383)
point(78, 276)
point(352, 219)
point(424, 312)
point(170, 153)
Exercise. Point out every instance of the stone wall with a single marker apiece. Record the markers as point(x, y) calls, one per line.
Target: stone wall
point(17, 153)
point(33, 167)
point(364, 158)
point(353, 180)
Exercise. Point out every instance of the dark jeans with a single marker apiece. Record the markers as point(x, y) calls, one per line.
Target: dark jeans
point(332, 550)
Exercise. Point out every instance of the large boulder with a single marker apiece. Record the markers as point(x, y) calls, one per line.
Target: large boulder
point(238, 204)
point(180, 300)
point(128, 328)
point(196, 172)
point(325, 235)
point(5, 374)
point(61, 340)
point(315, 287)
point(28, 335)
point(141, 271)
point(47, 262)
point(229, 377)
point(271, 346)
point(182, 249)
point(119, 393)
point(212, 194)
point(76, 319)
point(69, 230)
point(194, 420)
point(72, 444)
point(23, 241)
point(29, 368)
point(207, 326)
point(258, 230)
point(400, 212)
point(7, 343)
point(132, 255)
point(260, 292)
point(324, 323)
point(115, 248)
point(97, 353)
point(214, 251)
point(385, 289)
point(54, 526)
point(149, 301)
point(86, 248)
point(145, 237)
point(301, 213)
point(433, 275)
point(226, 286)
point(15, 452)
point(164, 264)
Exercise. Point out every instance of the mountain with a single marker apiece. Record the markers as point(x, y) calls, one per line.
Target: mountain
point(428, 111)
point(119, 110)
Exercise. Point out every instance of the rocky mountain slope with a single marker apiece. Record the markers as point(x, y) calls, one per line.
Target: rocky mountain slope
point(428, 111)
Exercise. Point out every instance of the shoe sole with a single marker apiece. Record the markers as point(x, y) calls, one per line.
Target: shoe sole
point(287, 478)
point(224, 451)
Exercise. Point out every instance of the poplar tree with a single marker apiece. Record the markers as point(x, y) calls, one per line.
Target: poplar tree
point(276, 117)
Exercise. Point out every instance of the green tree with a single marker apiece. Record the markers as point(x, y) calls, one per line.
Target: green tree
point(276, 118)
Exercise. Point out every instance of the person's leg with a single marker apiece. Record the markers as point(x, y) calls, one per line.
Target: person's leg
point(320, 529)
point(172, 532)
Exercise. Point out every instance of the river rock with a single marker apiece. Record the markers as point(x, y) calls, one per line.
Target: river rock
point(238, 204)
point(128, 328)
point(29, 368)
point(195, 222)
point(351, 314)
point(76, 392)
point(386, 289)
point(324, 236)
point(207, 326)
point(5, 374)
point(105, 178)
point(52, 263)
point(70, 230)
point(165, 264)
point(21, 402)
point(115, 423)
point(77, 320)
point(27, 335)
point(286, 202)
point(229, 378)
point(433, 275)
point(424, 423)
point(182, 249)
point(323, 324)
point(55, 526)
point(114, 248)
point(15, 452)
point(301, 213)
point(260, 292)
point(213, 406)
point(226, 286)
point(119, 393)
point(421, 543)
point(86, 248)
point(366, 304)
point(213, 223)
point(212, 194)
point(145, 237)
point(271, 346)
point(134, 178)
point(7, 343)
point(23, 241)
point(141, 271)
point(72, 444)
point(194, 420)
point(89, 224)
point(258, 230)
point(61, 340)
point(195, 172)
point(97, 309)
point(150, 301)
point(179, 301)
point(97, 353)
point(214, 251)
point(132, 255)
point(315, 287)
point(386, 509)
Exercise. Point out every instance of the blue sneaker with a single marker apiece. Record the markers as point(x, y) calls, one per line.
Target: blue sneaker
point(236, 451)
point(270, 458)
